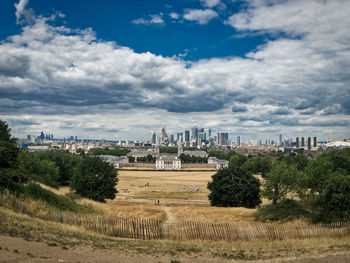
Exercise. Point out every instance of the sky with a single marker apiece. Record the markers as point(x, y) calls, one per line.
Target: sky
point(124, 69)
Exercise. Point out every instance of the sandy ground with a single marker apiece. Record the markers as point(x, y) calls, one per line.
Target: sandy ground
point(18, 250)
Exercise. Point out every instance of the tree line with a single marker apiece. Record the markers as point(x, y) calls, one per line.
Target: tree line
point(87, 175)
point(316, 190)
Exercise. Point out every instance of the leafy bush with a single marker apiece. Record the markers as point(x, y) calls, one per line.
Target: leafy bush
point(285, 210)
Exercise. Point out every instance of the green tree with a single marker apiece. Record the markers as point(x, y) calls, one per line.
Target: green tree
point(300, 160)
point(96, 179)
point(236, 161)
point(43, 171)
point(8, 157)
point(234, 187)
point(333, 204)
point(8, 147)
point(318, 172)
point(67, 163)
point(282, 180)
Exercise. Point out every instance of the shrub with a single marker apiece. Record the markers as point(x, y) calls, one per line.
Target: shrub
point(285, 210)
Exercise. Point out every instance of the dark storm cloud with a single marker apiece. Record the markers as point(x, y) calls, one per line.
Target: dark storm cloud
point(14, 66)
point(237, 108)
point(23, 122)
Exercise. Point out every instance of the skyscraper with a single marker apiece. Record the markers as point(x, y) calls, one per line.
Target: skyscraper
point(195, 133)
point(280, 140)
point(297, 142)
point(187, 136)
point(207, 134)
point(179, 136)
point(309, 143)
point(154, 138)
point(238, 141)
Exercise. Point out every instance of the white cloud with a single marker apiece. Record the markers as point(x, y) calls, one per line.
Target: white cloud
point(52, 76)
point(174, 15)
point(23, 14)
point(151, 19)
point(210, 3)
point(200, 16)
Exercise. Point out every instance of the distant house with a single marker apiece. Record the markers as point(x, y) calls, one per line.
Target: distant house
point(218, 163)
point(168, 163)
point(202, 154)
point(116, 161)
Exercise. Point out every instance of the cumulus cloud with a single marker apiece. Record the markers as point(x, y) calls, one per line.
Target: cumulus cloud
point(61, 79)
point(23, 14)
point(210, 3)
point(200, 16)
point(174, 15)
point(149, 20)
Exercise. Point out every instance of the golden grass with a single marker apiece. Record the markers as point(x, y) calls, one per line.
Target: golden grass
point(33, 229)
point(213, 214)
point(126, 210)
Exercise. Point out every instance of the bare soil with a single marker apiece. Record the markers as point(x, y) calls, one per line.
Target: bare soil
point(13, 249)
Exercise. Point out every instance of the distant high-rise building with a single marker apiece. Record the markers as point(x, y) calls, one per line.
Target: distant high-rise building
point(315, 141)
point(171, 138)
point(179, 136)
point(297, 142)
point(238, 141)
point(201, 135)
point(280, 140)
point(187, 136)
point(302, 142)
point(309, 143)
point(195, 133)
point(164, 134)
point(154, 138)
point(207, 134)
point(223, 138)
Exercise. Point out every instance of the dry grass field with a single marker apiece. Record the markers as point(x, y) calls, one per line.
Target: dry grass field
point(182, 195)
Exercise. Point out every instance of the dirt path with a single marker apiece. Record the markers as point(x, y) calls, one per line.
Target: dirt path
point(18, 250)
point(170, 217)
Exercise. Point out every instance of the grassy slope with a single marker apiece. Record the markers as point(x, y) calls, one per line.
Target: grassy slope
point(32, 229)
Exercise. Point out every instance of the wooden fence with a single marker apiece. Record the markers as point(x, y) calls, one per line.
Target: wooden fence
point(156, 229)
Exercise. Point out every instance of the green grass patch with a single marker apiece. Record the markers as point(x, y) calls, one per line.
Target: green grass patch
point(286, 210)
point(53, 200)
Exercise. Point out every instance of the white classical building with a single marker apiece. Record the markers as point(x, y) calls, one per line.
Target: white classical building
point(219, 164)
point(168, 163)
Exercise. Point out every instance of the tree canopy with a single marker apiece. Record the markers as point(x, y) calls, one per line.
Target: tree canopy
point(234, 187)
point(96, 179)
point(8, 157)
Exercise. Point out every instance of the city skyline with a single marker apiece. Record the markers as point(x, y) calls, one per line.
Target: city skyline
point(250, 68)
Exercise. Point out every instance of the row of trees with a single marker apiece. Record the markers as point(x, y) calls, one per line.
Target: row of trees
point(185, 158)
point(320, 188)
point(116, 151)
point(88, 176)
point(146, 159)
